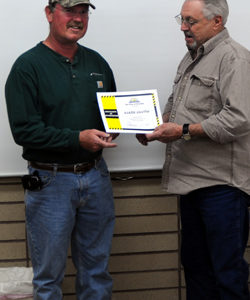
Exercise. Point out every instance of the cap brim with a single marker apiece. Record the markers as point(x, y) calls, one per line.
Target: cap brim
point(92, 6)
point(82, 2)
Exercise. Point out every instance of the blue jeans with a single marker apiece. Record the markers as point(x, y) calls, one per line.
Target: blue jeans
point(215, 226)
point(76, 208)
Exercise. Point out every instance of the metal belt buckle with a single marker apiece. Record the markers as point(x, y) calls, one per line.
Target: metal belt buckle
point(77, 168)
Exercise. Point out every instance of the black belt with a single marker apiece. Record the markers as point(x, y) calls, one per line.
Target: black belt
point(72, 168)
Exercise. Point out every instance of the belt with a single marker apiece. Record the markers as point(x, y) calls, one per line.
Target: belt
point(72, 168)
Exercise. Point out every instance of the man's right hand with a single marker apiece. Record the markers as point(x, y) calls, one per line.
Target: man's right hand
point(94, 140)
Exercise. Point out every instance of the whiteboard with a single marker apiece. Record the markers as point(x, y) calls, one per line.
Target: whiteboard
point(143, 45)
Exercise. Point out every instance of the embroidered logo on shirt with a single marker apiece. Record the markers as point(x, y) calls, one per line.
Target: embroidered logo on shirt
point(99, 84)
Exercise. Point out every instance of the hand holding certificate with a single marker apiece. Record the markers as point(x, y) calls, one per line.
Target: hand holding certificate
point(130, 112)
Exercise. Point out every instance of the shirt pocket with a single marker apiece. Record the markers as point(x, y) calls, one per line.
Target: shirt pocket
point(202, 94)
point(94, 83)
point(97, 81)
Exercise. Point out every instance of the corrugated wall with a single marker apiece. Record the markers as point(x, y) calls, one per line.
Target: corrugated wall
point(144, 260)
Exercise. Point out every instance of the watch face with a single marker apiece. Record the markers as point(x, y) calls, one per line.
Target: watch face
point(187, 137)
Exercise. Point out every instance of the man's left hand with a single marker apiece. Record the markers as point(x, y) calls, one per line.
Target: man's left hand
point(165, 133)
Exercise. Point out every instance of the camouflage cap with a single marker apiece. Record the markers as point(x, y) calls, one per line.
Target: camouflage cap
point(70, 3)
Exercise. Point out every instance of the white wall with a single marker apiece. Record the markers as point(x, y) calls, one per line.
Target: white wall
point(143, 45)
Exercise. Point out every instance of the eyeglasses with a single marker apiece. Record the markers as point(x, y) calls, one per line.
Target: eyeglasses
point(70, 13)
point(187, 21)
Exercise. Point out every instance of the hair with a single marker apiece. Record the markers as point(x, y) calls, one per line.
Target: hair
point(52, 5)
point(213, 8)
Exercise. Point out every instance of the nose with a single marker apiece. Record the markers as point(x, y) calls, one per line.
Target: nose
point(184, 26)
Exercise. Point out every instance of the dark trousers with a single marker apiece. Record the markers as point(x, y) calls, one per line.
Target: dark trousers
point(215, 226)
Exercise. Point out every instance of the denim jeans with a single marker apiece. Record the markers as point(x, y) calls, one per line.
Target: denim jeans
point(76, 209)
point(215, 226)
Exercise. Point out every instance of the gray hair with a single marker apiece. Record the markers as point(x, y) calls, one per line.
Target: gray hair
point(214, 8)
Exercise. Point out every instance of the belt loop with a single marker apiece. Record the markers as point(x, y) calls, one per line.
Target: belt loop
point(54, 170)
point(97, 161)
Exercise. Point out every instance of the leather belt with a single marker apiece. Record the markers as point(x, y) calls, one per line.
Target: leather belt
point(72, 168)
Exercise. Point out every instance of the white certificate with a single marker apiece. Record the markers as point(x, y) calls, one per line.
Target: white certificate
point(130, 112)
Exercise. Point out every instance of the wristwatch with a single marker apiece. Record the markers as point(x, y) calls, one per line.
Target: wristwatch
point(185, 132)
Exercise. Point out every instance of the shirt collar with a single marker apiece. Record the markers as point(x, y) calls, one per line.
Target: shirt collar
point(61, 57)
point(209, 45)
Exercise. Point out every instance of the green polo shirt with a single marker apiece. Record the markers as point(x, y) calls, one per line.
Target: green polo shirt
point(50, 100)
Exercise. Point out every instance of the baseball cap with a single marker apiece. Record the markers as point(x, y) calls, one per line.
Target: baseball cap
point(70, 3)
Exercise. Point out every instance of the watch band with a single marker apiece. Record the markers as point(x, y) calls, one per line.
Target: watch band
point(185, 132)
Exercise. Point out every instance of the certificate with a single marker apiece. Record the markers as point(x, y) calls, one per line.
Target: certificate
point(130, 112)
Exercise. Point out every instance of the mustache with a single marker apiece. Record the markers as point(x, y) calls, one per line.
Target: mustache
point(75, 24)
point(188, 34)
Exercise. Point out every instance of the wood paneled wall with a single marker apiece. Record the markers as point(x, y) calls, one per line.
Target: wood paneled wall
point(144, 263)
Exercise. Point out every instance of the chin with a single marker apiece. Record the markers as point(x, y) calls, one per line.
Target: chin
point(74, 39)
point(192, 46)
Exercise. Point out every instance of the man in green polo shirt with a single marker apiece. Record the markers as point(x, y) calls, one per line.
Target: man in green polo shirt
point(54, 116)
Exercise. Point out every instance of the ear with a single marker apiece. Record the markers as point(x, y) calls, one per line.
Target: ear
point(49, 14)
point(218, 22)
